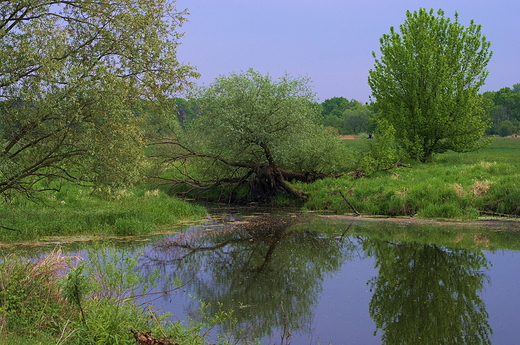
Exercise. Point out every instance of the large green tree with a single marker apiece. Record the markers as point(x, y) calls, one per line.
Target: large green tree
point(73, 78)
point(426, 83)
point(251, 129)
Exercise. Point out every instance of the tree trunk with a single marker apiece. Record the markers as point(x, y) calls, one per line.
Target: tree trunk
point(269, 181)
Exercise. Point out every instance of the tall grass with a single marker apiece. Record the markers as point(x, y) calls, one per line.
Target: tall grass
point(454, 185)
point(64, 300)
point(75, 211)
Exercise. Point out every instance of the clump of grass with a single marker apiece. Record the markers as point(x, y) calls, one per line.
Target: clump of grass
point(30, 300)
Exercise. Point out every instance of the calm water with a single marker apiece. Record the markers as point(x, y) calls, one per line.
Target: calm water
point(312, 280)
point(294, 279)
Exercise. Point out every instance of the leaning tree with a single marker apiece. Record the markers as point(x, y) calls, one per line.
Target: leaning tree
point(255, 131)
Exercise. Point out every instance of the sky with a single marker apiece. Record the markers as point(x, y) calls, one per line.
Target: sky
point(329, 41)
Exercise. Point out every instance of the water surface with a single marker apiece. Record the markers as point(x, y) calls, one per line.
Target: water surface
point(309, 279)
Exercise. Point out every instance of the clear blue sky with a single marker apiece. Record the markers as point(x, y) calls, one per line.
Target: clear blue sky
point(330, 41)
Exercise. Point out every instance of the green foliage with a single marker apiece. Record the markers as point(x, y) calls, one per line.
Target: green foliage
point(383, 152)
point(506, 128)
point(503, 108)
point(348, 117)
point(72, 80)
point(249, 126)
point(249, 117)
point(29, 296)
point(102, 288)
point(336, 106)
point(357, 120)
point(426, 83)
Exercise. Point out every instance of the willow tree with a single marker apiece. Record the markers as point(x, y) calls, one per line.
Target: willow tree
point(256, 131)
point(427, 80)
point(73, 76)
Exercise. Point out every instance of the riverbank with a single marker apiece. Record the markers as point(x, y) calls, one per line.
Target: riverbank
point(75, 212)
point(453, 185)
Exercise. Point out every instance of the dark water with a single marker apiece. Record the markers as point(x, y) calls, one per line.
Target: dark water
point(295, 279)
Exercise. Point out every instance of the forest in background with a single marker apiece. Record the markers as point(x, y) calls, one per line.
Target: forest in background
point(351, 117)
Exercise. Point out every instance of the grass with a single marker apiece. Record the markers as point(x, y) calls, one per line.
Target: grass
point(453, 185)
point(74, 211)
point(59, 299)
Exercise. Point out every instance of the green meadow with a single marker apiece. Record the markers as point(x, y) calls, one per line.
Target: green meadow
point(453, 185)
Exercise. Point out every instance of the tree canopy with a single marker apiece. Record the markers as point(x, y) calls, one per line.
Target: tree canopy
point(73, 78)
point(426, 83)
point(502, 107)
point(255, 130)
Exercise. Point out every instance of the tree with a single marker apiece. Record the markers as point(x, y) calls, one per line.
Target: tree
point(506, 128)
point(427, 80)
point(337, 106)
point(357, 120)
point(256, 131)
point(73, 77)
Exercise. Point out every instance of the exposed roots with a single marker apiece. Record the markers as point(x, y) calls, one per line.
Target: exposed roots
point(270, 181)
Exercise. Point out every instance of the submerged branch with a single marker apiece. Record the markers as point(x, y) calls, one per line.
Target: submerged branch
point(348, 202)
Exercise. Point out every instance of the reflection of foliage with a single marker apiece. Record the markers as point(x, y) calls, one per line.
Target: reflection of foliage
point(266, 270)
point(428, 294)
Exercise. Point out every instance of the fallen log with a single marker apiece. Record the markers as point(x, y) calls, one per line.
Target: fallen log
point(489, 213)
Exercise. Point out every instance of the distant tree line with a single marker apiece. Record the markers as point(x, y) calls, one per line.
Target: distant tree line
point(347, 117)
point(503, 108)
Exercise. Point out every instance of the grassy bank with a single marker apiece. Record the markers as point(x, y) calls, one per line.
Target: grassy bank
point(76, 211)
point(453, 185)
point(64, 300)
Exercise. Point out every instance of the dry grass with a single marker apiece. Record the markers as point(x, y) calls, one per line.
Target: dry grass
point(53, 265)
point(458, 189)
point(403, 192)
point(480, 187)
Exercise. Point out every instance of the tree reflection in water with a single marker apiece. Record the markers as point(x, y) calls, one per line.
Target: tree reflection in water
point(269, 270)
point(426, 294)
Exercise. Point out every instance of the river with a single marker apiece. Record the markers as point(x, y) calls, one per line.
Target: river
point(300, 278)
